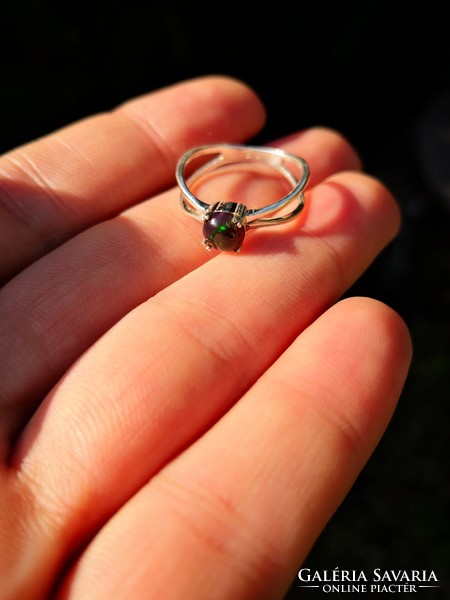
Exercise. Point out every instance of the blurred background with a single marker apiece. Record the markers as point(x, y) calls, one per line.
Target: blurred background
point(377, 71)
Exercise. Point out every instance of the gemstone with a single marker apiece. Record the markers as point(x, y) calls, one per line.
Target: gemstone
point(223, 231)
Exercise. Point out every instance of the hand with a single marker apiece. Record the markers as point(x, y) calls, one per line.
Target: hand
point(177, 423)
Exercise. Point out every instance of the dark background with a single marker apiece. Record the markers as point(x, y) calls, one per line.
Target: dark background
point(378, 72)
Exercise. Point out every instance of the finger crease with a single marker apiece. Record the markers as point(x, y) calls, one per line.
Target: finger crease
point(220, 527)
point(151, 133)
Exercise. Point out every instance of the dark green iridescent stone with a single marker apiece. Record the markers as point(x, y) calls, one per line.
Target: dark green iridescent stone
point(222, 233)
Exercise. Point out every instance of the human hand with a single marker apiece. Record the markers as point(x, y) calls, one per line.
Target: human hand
point(177, 423)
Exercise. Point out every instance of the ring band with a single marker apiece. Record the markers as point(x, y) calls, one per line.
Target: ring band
point(225, 223)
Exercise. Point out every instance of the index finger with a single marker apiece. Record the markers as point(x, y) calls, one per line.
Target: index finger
point(90, 171)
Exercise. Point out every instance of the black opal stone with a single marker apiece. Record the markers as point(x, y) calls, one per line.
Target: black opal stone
point(222, 233)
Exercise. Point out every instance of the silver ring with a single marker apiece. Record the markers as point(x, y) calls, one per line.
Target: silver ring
point(225, 223)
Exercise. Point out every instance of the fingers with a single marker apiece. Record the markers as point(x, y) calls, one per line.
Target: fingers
point(238, 512)
point(63, 303)
point(90, 171)
point(169, 369)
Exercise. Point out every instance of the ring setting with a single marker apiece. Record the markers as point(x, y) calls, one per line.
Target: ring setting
point(225, 223)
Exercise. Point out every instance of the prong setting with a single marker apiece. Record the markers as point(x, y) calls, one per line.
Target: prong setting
point(224, 226)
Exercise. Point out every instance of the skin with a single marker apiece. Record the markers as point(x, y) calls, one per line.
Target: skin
point(178, 423)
